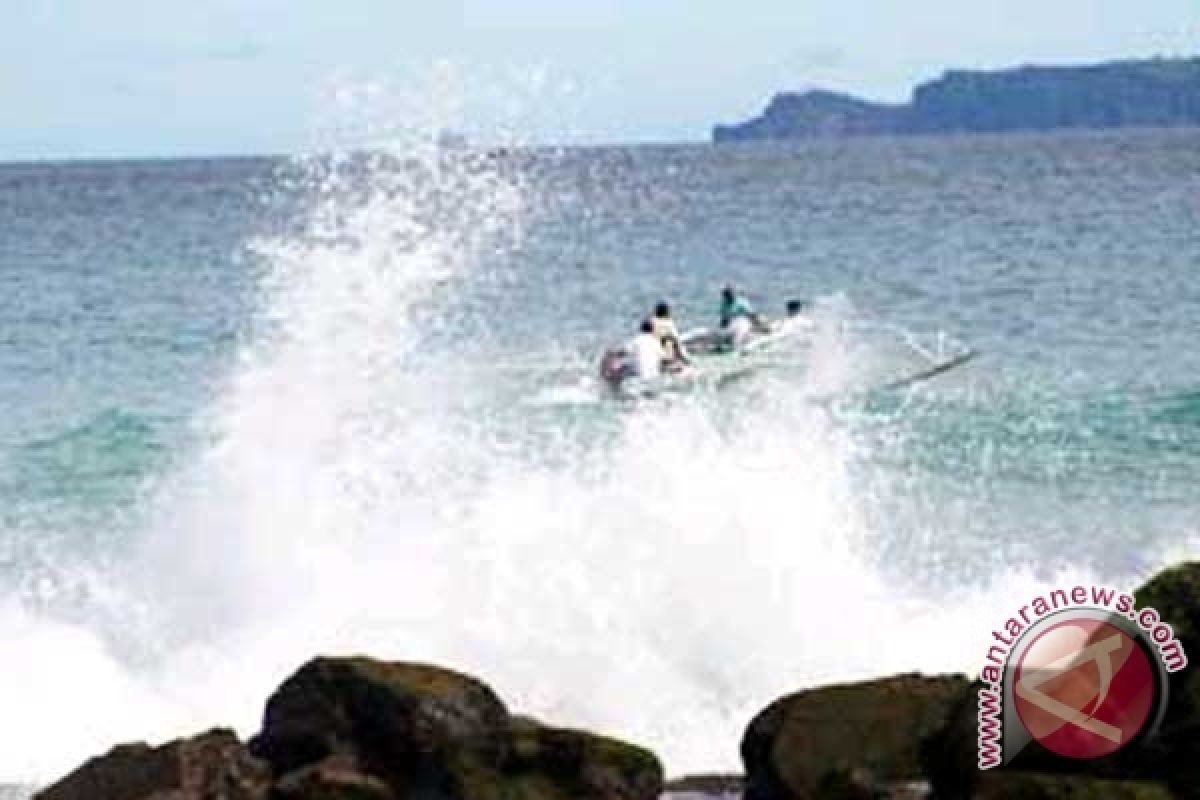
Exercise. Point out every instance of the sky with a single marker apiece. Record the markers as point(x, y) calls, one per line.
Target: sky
point(144, 78)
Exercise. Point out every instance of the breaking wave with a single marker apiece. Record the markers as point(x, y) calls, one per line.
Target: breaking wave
point(659, 574)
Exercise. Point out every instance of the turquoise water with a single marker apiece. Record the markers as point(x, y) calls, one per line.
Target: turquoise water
point(259, 408)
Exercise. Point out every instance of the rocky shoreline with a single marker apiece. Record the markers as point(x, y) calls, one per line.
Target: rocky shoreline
point(362, 729)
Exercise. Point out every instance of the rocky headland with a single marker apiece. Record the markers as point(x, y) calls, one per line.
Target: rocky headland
point(1147, 93)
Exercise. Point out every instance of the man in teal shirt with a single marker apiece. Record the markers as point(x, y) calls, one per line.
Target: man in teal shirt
point(738, 317)
point(733, 305)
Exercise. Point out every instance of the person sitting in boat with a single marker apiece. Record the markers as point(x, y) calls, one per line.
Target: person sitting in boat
point(797, 319)
point(642, 357)
point(738, 317)
point(646, 352)
point(669, 338)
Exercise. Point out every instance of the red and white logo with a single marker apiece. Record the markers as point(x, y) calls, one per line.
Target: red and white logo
point(1076, 673)
point(1084, 688)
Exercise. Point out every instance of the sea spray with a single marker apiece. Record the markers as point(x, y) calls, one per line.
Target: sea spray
point(660, 575)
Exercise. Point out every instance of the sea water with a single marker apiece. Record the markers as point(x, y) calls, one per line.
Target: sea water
point(260, 409)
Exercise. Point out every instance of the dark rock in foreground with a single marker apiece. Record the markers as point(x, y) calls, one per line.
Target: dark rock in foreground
point(403, 722)
point(359, 729)
point(1175, 594)
point(1150, 93)
point(846, 739)
point(903, 738)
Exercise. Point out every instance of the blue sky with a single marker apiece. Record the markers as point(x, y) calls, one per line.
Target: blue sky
point(165, 77)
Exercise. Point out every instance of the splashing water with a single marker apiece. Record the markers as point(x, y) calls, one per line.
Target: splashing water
point(660, 578)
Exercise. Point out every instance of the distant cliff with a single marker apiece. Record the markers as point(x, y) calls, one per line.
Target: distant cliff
point(1154, 93)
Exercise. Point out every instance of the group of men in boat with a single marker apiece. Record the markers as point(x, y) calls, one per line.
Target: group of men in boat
point(659, 348)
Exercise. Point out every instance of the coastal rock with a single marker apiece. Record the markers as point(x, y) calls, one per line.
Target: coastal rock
point(358, 727)
point(211, 766)
point(562, 763)
point(400, 721)
point(851, 736)
point(1174, 755)
point(1175, 594)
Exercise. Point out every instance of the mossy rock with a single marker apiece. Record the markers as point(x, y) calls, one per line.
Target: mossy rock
point(584, 765)
point(1175, 753)
point(874, 728)
point(420, 731)
point(402, 722)
point(1175, 594)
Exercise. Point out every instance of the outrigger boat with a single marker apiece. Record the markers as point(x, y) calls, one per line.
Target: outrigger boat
point(715, 360)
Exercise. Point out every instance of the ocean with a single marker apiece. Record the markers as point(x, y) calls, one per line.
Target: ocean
point(259, 409)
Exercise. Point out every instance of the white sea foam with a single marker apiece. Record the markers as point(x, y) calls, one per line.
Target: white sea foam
point(662, 583)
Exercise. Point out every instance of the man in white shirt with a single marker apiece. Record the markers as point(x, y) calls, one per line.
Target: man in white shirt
point(647, 352)
point(668, 336)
